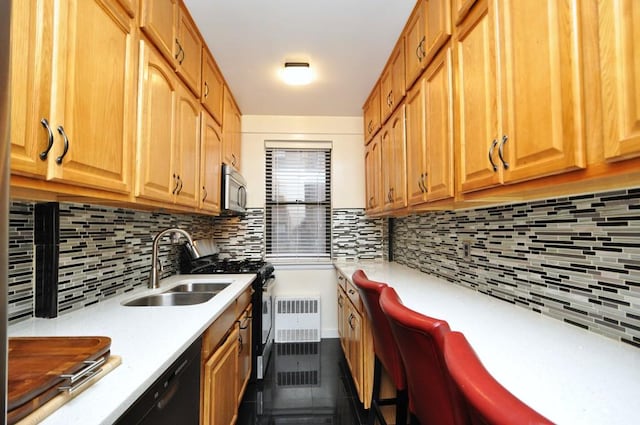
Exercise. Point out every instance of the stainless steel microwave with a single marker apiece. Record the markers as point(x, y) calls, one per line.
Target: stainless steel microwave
point(234, 191)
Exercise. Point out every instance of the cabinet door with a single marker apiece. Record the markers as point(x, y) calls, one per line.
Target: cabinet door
point(476, 107)
point(244, 352)
point(438, 26)
point(386, 91)
point(399, 172)
point(230, 131)
point(94, 95)
point(31, 46)
point(210, 164)
point(220, 390)
point(373, 175)
point(414, 39)
point(416, 144)
point(355, 349)
point(541, 66)
point(189, 52)
point(372, 114)
point(341, 316)
point(438, 92)
point(158, 20)
point(156, 126)
point(212, 86)
point(620, 70)
point(386, 149)
point(187, 166)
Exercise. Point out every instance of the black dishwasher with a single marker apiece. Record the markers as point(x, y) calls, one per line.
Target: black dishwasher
point(174, 398)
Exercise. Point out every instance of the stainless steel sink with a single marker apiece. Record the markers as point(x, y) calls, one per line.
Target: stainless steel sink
point(170, 299)
point(212, 287)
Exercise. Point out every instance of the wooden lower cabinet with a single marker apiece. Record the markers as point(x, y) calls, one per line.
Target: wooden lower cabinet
point(220, 384)
point(356, 339)
point(226, 363)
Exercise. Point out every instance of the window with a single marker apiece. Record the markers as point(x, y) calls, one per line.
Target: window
point(298, 204)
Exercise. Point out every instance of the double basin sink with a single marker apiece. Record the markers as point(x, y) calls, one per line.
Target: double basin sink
point(183, 294)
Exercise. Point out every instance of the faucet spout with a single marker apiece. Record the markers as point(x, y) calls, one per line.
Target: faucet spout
point(153, 275)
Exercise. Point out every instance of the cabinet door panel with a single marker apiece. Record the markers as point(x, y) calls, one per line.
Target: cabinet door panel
point(438, 26)
point(416, 144)
point(31, 46)
point(188, 148)
point(399, 146)
point(210, 164)
point(230, 131)
point(439, 127)
point(156, 126)
point(189, 54)
point(244, 352)
point(373, 175)
point(476, 102)
point(414, 39)
point(94, 101)
point(220, 383)
point(158, 20)
point(212, 86)
point(620, 66)
point(372, 113)
point(541, 87)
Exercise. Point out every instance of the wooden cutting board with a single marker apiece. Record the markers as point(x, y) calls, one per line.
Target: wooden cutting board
point(36, 364)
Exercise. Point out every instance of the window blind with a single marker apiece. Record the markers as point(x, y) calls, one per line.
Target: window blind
point(298, 204)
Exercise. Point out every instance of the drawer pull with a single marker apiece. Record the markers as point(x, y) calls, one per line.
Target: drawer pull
point(66, 145)
point(45, 124)
point(493, 146)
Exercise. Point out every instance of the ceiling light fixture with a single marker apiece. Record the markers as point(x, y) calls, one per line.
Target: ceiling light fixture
point(297, 73)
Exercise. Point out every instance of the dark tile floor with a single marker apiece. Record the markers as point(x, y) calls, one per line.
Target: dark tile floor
point(305, 384)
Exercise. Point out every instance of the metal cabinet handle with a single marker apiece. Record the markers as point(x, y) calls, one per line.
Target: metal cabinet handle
point(500, 153)
point(493, 146)
point(175, 179)
point(204, 189)
point(424, 53)
point(391, 98)
point(421, 184)
point(351, 317)
point(370, 126)
point(66, 145)
point(233, 159)
point(180, 188)
point(206, 89)
point(179, 49)
point(43, 155)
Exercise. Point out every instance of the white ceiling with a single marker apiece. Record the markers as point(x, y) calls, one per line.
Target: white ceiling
point(347, 43)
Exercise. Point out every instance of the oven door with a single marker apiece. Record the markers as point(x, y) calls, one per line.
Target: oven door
point(267, 326)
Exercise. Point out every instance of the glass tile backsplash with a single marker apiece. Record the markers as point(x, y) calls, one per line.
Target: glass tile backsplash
point(576, 259)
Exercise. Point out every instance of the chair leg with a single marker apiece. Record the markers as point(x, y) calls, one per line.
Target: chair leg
point(375, 393)
point(402, 404)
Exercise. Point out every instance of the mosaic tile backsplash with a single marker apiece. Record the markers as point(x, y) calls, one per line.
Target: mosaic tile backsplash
point(576, 259)
point(107, 251)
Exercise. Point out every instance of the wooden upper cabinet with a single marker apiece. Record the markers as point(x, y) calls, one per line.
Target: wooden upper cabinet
point(540, 130)
point(414, 41)
point(392, 88)
point(231, 131)
point(212, 88)
point(89, 120)
point(394, 174)
point(371, 111)
point(187, 164)
point(188, 52)
point(159, 20)
point(429, 110)
point(438, 26)
point(461, 8)
point(427, 30)
point(157, 93)
point(210, 164)
point(373, 175)
point(32, 131)
point(620, 73)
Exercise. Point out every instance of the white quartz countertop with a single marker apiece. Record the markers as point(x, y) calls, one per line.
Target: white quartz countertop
point(148, 339)
point(570, 375)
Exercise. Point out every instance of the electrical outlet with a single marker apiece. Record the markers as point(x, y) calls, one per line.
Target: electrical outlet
point(466, 249)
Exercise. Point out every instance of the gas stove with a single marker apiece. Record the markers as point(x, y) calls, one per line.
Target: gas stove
point(212, 265)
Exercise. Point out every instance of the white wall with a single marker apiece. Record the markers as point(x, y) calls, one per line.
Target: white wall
point(348, 187)
point(322, 282)
point(347, 165)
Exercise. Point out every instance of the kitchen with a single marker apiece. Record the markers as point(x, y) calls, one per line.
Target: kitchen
point(522, 245)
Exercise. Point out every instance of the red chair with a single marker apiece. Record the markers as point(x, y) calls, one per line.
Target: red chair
point(420, 339)
point(386, 352)
point(487, 401)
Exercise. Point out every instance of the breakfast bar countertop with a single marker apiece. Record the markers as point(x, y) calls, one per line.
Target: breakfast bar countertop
point(568, 374)
point(148, 339)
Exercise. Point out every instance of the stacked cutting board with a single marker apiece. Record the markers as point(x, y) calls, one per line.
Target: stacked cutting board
point(45, 372)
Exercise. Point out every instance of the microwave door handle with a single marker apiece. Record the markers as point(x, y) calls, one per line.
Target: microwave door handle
point(242, 192)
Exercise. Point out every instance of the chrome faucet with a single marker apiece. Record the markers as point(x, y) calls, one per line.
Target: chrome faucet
point(153, 275)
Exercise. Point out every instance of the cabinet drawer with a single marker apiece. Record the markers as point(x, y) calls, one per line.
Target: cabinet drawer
point(243, 301)
point(342, 281)
point(214, 335)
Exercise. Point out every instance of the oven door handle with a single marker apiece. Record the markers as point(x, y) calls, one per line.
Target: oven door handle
point(268, 282)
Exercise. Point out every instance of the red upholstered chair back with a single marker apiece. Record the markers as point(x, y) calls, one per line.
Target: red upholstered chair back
point(384, 344)
point(488, 402)
point(420, 339)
